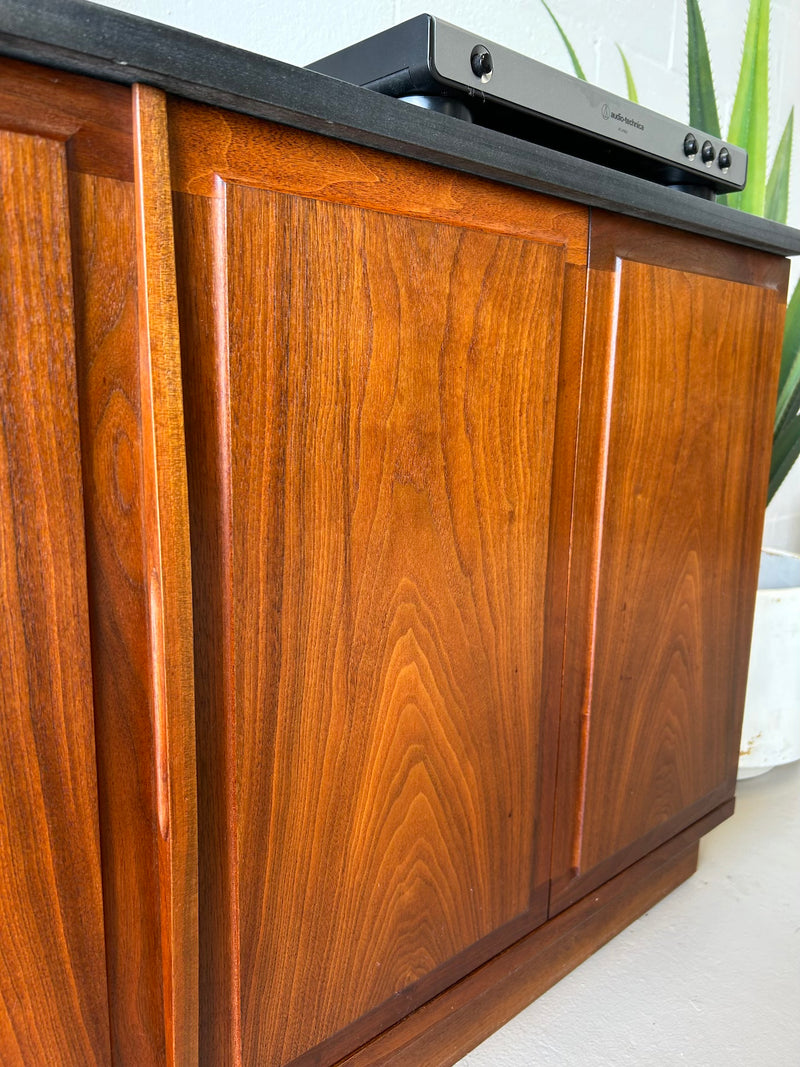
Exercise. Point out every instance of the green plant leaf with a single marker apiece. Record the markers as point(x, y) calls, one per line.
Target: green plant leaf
point(749, 129)
point(786, 436)
point(750, 109)
point(777, 198)
point(632, 94)
point(703, 113)
point(575, 62)
point(789, 376)
point(785, 448)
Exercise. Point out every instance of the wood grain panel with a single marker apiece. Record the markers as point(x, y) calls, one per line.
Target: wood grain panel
point(614, 238)
point(208, 143)
point(104, 270)
point(93, 123)
point(93, 118)
point(53, 1004)
point(669, 508)
point(390, 516)
point(371, 420)
point(444, 1030)
point(201, 262)
point(168, 570)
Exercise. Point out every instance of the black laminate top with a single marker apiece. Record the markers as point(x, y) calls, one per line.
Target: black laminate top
point(90, 39)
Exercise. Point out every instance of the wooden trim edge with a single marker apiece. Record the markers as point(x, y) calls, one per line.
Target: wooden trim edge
point(662, 246)
point(166, 526)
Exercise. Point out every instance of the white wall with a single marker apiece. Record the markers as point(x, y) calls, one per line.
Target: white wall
point(651, 32)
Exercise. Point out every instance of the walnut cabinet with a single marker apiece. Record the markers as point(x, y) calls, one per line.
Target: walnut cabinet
point(379, 554)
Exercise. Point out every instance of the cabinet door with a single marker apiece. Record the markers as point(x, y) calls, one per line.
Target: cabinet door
point(96, 738)
point(53, 1002)
point(371, 358)
point(682, 348)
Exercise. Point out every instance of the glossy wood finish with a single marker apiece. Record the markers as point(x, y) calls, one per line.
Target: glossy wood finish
point(91, 118)
point(168, 576)
point(87, 126)
point(444, 1030)
point(209, 144)
point(53, 1005)
point(405, 561)
point(396, 681)
point(200, 228)
point(371, 427)
point(104, 268)
point(108, 43)
point(681, 357)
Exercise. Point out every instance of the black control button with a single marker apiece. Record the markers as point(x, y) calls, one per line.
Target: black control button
point(724, 159)
point(690, 145)
point(708, 153)
point(481, 62)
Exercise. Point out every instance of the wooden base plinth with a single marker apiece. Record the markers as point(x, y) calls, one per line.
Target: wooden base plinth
point(442, 1031)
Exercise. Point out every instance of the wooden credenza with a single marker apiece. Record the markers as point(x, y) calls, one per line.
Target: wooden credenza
point(379, 553)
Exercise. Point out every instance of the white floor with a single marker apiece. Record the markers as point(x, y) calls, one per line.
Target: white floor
point(710, 977)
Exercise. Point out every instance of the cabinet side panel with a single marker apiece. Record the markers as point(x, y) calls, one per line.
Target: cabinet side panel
point(669, 508)
point(53, 1002)
point(392, 423)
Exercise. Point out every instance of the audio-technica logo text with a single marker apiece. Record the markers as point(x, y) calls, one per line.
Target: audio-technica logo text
point(607, 113)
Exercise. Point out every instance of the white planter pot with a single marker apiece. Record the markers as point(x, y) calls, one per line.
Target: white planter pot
point(771, 729)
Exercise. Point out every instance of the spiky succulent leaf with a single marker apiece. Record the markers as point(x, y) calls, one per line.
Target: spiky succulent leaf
point(785, 448)
point(703, 113)
point(786, 436)
point(632, 94)
point(751, 109)
point(789, 376)
point(575, 62)
point(777, 199)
